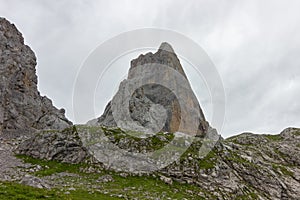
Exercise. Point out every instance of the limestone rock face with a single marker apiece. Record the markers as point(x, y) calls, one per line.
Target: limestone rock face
point(64, 146)
point(22, 109)
point(156, 96)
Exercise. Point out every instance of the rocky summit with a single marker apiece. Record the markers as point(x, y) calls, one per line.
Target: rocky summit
point(161, 97)
point(22, 109)
point(42, 156)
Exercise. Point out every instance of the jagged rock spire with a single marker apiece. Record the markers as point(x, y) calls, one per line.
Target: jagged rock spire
point(166, 47)
point(178, 116)
point(164, 56)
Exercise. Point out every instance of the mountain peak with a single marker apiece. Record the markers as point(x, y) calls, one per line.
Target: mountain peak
point(166, 47)
point(165, 55)
point(148, 101)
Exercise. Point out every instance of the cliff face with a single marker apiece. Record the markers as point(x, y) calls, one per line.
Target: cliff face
point(158, 91)
point(22, 109)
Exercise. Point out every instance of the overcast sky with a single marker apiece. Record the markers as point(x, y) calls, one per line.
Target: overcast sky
point(255, 46)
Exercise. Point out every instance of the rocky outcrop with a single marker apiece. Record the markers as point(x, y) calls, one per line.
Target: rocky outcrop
point(64, 146)
point(248, 166)
point(157, 96)
point(22, 109)
point(34, 182)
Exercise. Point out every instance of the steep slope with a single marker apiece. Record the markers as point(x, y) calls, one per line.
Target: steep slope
point(22, 109)
point(156, 91)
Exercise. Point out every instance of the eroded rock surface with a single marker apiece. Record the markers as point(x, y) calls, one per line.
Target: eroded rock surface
point(22, 109)
point(156, 91)
point(249, 165)
point(64, 146)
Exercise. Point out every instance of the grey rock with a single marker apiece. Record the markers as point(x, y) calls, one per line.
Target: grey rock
point(250, 165)
point(167, 180)
point(64, 146)
point(105, 179)
point(156, 96)
point(34, 182)
point(71, 189)
point(115, 150)
point(10, 165)
point(22, 109)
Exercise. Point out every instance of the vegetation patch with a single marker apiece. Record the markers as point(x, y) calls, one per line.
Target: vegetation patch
point(52, 167)
point(133, 140)
point(87, 185)
point(278, 152)
point(209, 161)
point(191, 157)
point(283, 170)
point(249, 196)
point(297, 133)
point(245, 139)
point(236, 141)
point(15, 191)
point(234, 157)
point(274, 137)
